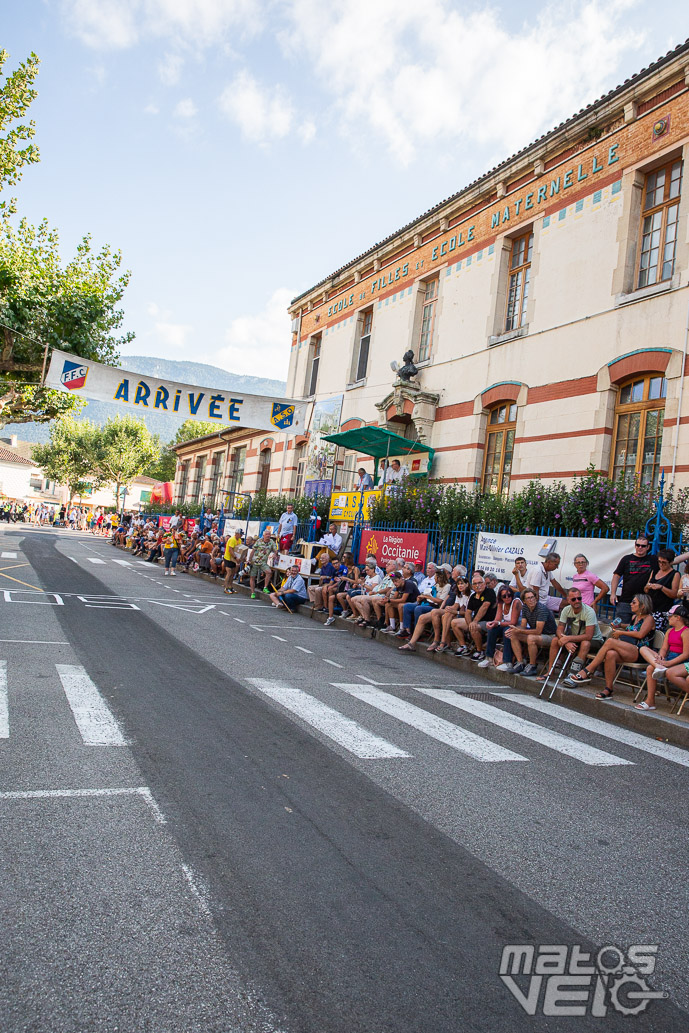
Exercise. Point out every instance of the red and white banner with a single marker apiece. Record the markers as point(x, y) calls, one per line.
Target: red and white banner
point(164, 522)
point(389, 545)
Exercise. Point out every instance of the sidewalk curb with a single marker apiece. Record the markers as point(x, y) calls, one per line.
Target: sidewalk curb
point(662, 727)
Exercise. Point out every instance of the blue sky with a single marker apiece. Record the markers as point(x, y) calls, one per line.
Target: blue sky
point(238, 151)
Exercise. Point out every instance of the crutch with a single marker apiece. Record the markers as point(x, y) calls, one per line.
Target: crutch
point(554, 665)
point(565, 664)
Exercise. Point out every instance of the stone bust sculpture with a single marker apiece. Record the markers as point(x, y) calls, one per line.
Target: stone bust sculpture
point(408, 370)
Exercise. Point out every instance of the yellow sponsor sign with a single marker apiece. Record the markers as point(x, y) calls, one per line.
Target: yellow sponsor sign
point(344, 505)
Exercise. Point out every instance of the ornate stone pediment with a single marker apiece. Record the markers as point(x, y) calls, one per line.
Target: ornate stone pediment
point(408, 399)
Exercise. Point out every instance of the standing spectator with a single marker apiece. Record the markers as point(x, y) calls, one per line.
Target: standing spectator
point(261, 559)
point(587, 582)
point(287, 526)
point(536, 628)
point(293, 591)
point(663, 587)
point(172, 543)
point(507, 615)
point(577, 631)
point(636, 570)
point(230, 561)
point(364, 481)
point(542, 580)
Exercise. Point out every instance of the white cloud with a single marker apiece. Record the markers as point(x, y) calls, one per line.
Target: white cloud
point(112, 24)
point(306, 131)
point(262, 113)
point(151, 109)
point(185, 108)
point(165, 332)
point(427, 73)
point(170, 69)
point(259, 344)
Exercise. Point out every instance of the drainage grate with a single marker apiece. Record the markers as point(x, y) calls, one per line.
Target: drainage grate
point(486, 696)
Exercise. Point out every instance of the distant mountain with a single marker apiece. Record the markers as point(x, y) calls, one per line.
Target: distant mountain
point(197, 374)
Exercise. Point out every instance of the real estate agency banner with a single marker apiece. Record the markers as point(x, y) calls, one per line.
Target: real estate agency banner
point(496, 553)
point(389, 545)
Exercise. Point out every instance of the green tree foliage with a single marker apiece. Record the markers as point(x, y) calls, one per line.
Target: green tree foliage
point(124, 449)
point(164, 468)
point(16, 94)
point(43, 302)
point(68, 457)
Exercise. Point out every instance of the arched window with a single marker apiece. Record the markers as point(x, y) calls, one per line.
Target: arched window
point(639, 430)
point(264, 469)
point(497, 464)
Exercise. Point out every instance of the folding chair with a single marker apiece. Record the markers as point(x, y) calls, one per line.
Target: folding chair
point(639, 666)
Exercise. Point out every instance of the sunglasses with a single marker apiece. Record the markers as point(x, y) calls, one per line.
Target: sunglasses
point(575, 598)
point(641, 545)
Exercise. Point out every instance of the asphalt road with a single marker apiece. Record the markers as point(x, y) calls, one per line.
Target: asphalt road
point(218, 817)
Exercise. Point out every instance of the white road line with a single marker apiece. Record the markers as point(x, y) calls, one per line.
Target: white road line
point(8, 555)
point(4, 709)
point(537, 733)
point(331, 662)
point(58, 794)
point(302, 650)
point(593, 724)
point(123, 563)
point(93, 717)
point(278, 638)
point(34, 642)
point(238, 620)
point(73, 560)
point(198, 894)
point(94, 559)
point(435, 727)
point(342, 730)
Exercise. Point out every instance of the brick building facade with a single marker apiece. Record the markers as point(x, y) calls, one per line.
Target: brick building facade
point(546, 304)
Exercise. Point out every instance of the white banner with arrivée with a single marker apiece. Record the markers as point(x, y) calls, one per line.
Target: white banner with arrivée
point(142, 393)
point(496, 553)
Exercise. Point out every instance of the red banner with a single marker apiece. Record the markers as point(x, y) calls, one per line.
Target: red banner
point(388, 545)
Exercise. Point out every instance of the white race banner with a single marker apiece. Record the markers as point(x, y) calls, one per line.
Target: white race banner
point(496, 553)
point(147, 394)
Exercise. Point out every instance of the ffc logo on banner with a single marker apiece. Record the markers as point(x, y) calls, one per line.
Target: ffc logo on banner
point(282, 415)
point(73, 375)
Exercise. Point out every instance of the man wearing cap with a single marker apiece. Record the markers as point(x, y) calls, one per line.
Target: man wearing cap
point(230, 561)
point(293, 592)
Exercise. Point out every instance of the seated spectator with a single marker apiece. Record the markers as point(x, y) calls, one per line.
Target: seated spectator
point(327, 570)
point(154, 547)
point(374, 600)
point(353, 582)
point(671, 660)
point(663, 587)
point(242, 553)
point(587, 582)
point(419, 575)
point(293, 592)
point(405, 590)
point(480, 609)
point(335, 593)
point(370, 579)
point(507, 615)
point(332, 540)
point(217, 558)
point(437, 589)
point(577, 631)
point(493, 582)
point(202, 557)
point(622, 647)
point(535, 629)
point(453, 606)
point(519, 572)
point(542, 580)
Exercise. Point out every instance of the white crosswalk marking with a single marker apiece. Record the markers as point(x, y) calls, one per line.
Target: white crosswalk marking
point(592, 724)
point(4, 710)
point(330, 722)
point(435, 727)
point(93, 717)
point(537, 733)
point(94, 559)
point(123, 563)
point(8, 555)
